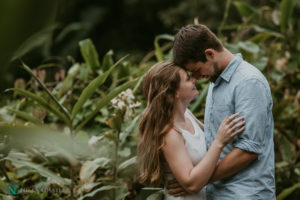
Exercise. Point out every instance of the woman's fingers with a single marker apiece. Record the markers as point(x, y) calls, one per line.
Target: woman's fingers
point(238, 131)
point(237, 124)
point(229, 119)
point(235, 121)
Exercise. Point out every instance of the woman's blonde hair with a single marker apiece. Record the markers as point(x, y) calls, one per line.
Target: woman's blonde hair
point(160, 85)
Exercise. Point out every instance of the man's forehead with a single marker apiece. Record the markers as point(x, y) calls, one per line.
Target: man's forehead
point(191, 66)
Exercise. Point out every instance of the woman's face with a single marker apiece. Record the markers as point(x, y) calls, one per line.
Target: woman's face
point(187, 90)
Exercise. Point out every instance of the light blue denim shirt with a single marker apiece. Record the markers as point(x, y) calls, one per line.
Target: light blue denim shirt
point(243, 89)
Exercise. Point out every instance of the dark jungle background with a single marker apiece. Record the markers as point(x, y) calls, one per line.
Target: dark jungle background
point(70, 95)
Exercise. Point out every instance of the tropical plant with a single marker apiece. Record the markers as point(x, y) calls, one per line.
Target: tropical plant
point(90, 160)
point(269, 38)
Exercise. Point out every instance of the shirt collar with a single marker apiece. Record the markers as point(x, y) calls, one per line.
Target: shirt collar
point(230, 69)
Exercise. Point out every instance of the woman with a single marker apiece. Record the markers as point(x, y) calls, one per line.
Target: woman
point(171, 140)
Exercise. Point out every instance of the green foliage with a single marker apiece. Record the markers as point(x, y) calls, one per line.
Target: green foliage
point(93, 162)
point(78, 134)
point(41, 101)
point(90, 89)
point(286, 12)
point(158, 51)
point(270, 42)
point(245, 9)
point(89, 54)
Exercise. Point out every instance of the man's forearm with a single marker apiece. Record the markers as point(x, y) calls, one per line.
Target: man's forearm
point(233, 162)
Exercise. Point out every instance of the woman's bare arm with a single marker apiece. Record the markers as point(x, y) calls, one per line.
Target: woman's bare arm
point(194, 178)
point(191, 178)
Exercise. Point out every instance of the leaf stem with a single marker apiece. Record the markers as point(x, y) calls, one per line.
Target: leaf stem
point(64, 110)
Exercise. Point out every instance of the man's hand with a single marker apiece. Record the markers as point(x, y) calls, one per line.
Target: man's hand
point(175, 189)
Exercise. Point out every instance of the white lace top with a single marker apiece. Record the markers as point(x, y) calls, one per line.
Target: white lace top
point(196, 147)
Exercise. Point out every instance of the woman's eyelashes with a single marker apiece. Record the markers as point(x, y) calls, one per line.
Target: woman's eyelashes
point(188, 77)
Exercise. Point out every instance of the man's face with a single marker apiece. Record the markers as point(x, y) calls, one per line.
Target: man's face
point(209, 70)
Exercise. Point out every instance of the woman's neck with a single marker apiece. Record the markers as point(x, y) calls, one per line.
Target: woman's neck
point(179, 110)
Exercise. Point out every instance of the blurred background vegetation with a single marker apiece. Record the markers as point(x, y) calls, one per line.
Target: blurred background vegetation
point(70, 119)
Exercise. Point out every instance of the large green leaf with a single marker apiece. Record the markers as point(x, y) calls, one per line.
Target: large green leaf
point(25, 116)
point(245, 9)
point(34, 41)
point(286, 11)
point(127, 163)
point(158, 52)
point(261, 63)
point(106, 100)
point(249, 47)
point(64, 110)
point(103, 188)
point(137, 86)
point(42, 102)
point(19, 162)
point(89, 54)
point(263, 36)
point(92, 87)
point(107, 60)
point(129, 129)
point(286, 192)
point(67, 83)
point(89, 167)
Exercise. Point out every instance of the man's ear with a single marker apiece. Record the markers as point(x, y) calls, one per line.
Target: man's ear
point(209, 53)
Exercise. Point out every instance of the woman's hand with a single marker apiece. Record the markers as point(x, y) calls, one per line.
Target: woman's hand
point(230, 127)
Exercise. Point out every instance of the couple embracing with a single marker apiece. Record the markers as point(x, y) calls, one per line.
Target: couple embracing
point(231, 155)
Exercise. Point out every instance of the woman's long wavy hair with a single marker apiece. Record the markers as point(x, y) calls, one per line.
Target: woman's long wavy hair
point(160, 85)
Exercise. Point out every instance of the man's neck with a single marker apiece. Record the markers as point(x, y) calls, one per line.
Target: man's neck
point(227, 57)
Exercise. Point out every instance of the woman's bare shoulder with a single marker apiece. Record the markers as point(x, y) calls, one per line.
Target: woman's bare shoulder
point(173, 137)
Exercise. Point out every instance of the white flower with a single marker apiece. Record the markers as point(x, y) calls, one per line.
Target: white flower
point(114, 101)
point(124, 99)
point(129, 94)
point(121, 104)
point(134, 105)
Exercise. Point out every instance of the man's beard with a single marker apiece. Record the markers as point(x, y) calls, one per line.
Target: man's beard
point(216, 74)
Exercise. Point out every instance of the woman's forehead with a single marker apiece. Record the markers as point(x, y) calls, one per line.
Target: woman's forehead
point(183, 73)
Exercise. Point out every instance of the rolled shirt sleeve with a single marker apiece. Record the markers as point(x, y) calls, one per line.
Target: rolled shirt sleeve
point(252, 103)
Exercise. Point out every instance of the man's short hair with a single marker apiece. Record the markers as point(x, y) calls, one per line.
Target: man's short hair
point(191, 42)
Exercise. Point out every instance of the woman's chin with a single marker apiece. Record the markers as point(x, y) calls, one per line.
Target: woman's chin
point(195, 96)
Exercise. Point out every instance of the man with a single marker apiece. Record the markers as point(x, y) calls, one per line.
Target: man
point(246, 167)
